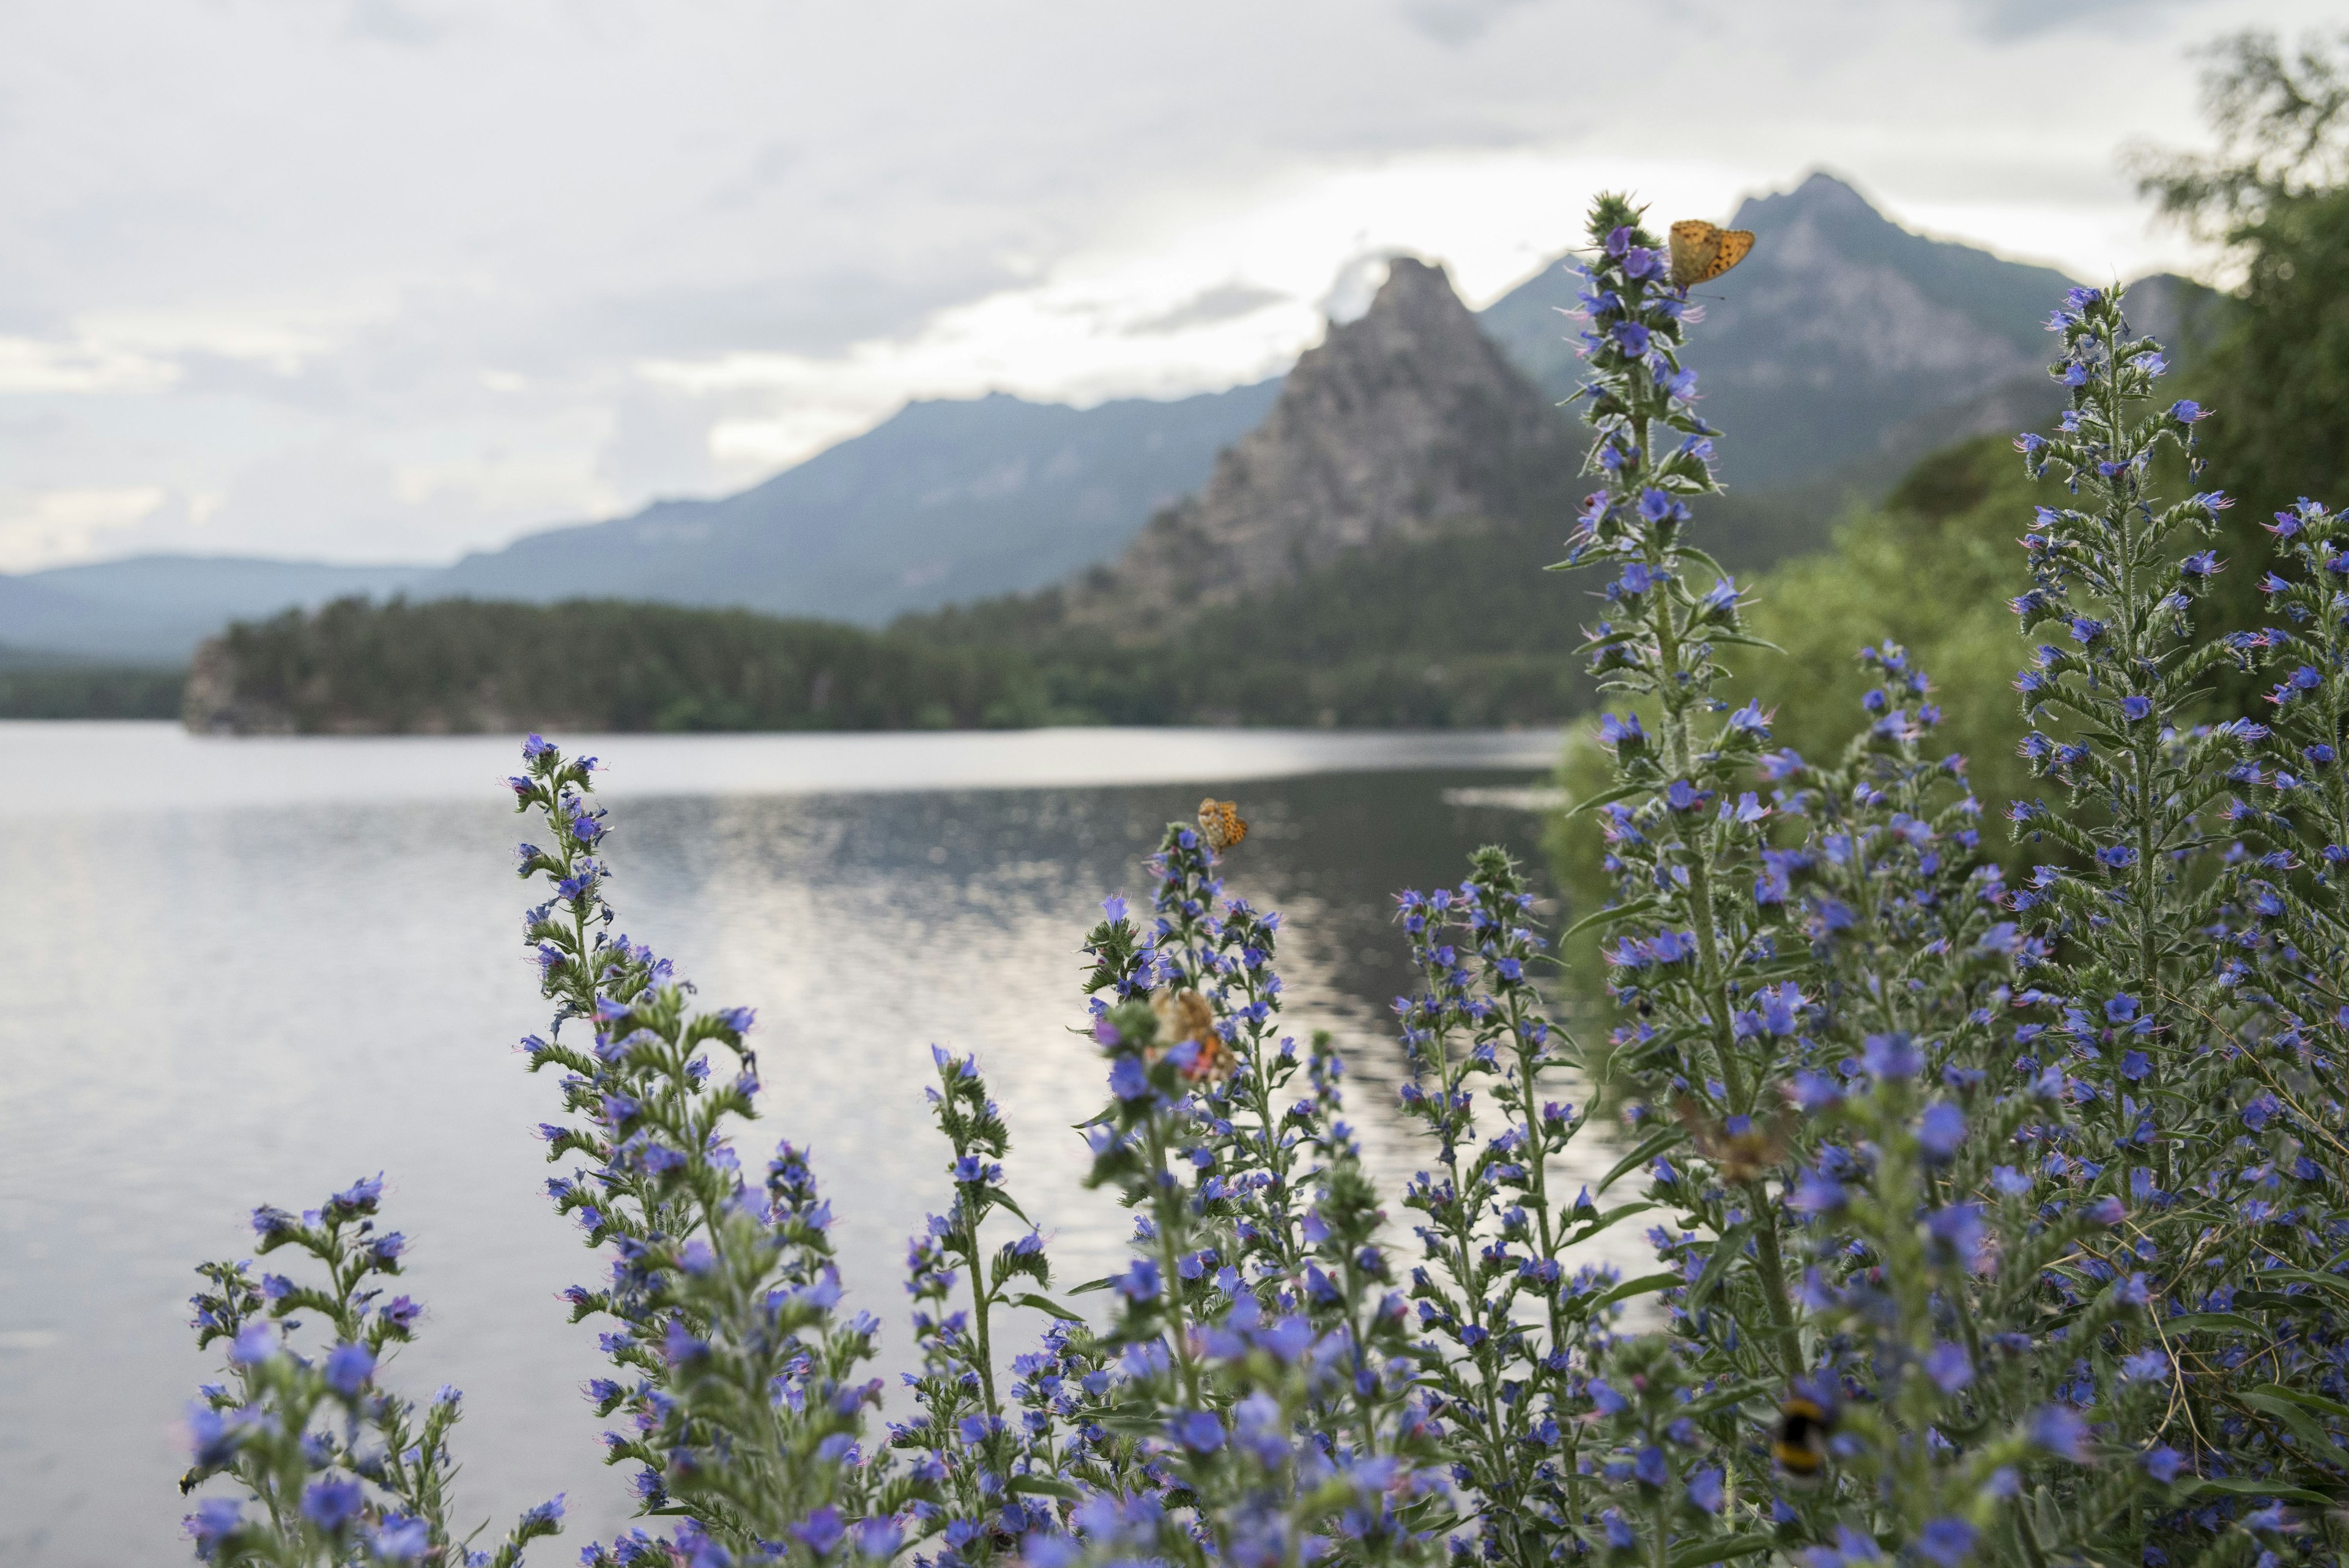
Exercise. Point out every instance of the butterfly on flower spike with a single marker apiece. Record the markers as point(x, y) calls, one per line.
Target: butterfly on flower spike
point(1186, 1031)
point(1741, 1148)
point(1701, 252)
point(1220, 824)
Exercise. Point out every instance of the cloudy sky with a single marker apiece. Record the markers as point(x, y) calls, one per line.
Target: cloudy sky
point(392, 279)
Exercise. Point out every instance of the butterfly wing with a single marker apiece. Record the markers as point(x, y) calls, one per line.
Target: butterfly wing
point(1694, 245)
point(1731, 246)
point(1220, 824)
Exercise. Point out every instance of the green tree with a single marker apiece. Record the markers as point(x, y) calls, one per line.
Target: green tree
point(2274, 192)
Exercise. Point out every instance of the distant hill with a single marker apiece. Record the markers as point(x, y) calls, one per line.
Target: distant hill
point(1840, 329)
point(1843, 351)
point(152, 610)
point(946, 501)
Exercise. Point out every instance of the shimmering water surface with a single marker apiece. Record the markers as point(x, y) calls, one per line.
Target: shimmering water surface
point(242, 971)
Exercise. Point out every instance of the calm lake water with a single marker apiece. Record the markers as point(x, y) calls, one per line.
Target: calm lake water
point(247, 971)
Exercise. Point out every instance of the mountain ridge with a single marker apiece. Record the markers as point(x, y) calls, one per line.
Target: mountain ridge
point(1843, 348)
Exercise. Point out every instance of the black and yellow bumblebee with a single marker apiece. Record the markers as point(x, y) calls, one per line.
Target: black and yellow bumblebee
point(1800, 1442)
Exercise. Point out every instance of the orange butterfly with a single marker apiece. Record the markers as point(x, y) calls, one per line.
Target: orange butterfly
point(1220, 824)
point(1186, 1015)
point(1739, 1156)
point(1701, 252)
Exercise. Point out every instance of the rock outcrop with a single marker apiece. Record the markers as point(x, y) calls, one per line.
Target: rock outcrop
point(1403, 425)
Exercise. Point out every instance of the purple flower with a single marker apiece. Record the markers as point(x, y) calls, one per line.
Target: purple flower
point(1815, 1092)
point(1948, 1366)
point(402, 1540)
point(2163, 1463)
point(1128, 1079)
point(331, 1504)
point(1818, 1193)
point(1705, 1489)
point(1890, 1056)
point(1650, 1466)
point(1685, 796)
point(1620, 733)
point(2136, 708)
point(880, 1539)
point(1197, 1430)
point(2060, 1430)
point(2185, 411)
point(348, 1368)
point(1940, 1132)
point(214, 1519)
point(1140, 1283)
point(1631, 338)
point(823, 1531)
point(1947, 1541)
point(1958, 1229)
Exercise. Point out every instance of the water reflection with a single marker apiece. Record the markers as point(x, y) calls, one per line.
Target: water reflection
point(214, 1008)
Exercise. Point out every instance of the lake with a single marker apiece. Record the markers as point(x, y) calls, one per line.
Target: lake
point(249, 972)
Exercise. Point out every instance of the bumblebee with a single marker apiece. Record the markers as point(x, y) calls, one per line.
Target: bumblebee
point(1800, 1442)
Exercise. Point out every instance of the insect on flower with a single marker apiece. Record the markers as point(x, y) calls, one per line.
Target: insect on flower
point(1702, 252)
point(1741, 1148)
point(1186, 1031)
point(1800, 1442)
point(1220, 824)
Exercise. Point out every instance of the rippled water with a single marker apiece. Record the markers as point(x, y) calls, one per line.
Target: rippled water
point(249, 972)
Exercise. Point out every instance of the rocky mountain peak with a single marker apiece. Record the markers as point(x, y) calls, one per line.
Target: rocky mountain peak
point(1403, 424)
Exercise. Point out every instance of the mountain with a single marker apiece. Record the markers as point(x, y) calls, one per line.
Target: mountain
point(155, 609)
point(946, 501)
point(1838, 330)
point(1840, 351)
point(1402, 426)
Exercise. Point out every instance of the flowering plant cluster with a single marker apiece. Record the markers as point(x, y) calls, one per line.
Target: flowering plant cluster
point(1994, 1220)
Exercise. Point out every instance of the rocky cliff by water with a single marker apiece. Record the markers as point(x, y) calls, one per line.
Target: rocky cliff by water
point(1403, 426)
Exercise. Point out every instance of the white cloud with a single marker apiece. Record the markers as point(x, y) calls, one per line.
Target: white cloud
point(29, 367)
point(42, 529)
point(396, 276)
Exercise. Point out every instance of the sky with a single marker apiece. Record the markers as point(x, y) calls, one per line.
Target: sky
point(390, 280)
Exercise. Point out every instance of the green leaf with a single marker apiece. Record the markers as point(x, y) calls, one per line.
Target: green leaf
point(2302, 1398)
point(1732, 1241)
point(2333, 1283)
point(2211, 1323)
point(2294, 1419)
point(2250, 1486)
point(1594, 1225)
point(1044, 1485)
point(1046, 1304)
point(1727, 1397)
point(1722, 1549)
point(1639, 1286)
point(1100, 1284)
point(1655, 1144)
point(1607, 917)
point(1739, 639)
point(1607, 797)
